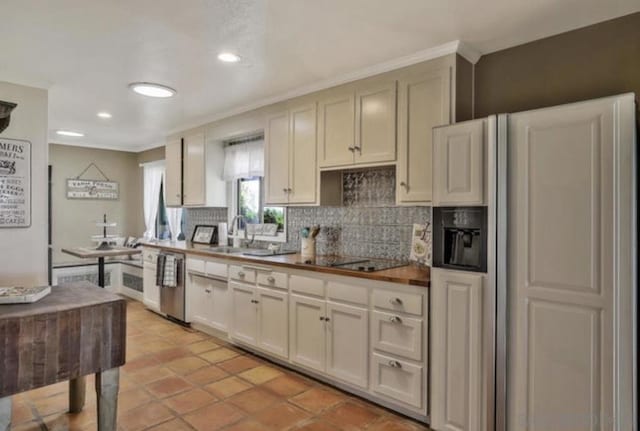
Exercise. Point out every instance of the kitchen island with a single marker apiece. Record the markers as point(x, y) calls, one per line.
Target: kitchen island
point(77, 330)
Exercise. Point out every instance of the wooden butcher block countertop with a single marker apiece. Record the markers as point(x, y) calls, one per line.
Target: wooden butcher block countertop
point(409, 274)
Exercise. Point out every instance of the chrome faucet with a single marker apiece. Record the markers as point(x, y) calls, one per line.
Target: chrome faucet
point(234, 230)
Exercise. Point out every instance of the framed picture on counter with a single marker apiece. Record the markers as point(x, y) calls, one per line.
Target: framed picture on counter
point(205, 234)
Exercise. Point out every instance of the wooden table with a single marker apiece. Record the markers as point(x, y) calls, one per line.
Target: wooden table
point(76, 330)
point(92, 253)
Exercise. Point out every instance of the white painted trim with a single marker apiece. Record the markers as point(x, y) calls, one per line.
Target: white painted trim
point(152, 163)
point(454, 47)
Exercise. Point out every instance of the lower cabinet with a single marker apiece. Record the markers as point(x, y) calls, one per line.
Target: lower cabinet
point(331, 338)
point(398, 379)
point(456, 369)
point(260, 318)
point(150, 291)
point(208, 301)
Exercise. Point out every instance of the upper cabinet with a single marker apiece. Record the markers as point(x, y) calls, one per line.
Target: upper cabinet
point(458, 165)
point(358, 126)
point(424, 102)
point(193, 176)
point(173, 173)
point(290, 162)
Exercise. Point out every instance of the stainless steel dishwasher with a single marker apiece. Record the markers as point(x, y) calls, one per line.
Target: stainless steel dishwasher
point(172, 298)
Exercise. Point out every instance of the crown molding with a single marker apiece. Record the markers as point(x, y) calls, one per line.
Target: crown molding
point(454, 47)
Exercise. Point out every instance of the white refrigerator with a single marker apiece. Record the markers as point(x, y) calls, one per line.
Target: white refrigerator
point(546, 339)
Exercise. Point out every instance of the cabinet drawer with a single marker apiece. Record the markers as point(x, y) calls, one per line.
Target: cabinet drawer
point(242, 274)
point(195, 265)
point(150, 256)
point(398, 301)
point(272, 279)
point(216, 269)
point(306, 285)
point(399, 380)
point(347, 293)
point(397, 334)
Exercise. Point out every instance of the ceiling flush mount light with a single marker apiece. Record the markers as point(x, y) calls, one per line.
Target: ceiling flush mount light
point(152, 90)
point(70, 133)
point(228, 57)
point(104, 114)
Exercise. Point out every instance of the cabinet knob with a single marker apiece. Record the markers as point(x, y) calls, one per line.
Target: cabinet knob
point(395, 364)
point(289, 190)
point(403, 184)
point(395, 301)
point(284, 190)
point(352, 149)
point(271, 279)
point(326, 319)
point(357, 148)
point(321, 317)
point(208, 290)
point(241, 274)
point(395, 319)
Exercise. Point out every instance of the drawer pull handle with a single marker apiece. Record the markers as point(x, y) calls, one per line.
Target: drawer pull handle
point(271, 279)
point(241, 274)
point(395, 301)
point(395, 364)
point(395, 319)
point(326, 319)
point(208, 290)
point(321, 317)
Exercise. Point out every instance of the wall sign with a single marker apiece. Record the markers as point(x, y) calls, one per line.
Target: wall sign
point(15, 183)
point(92, 189)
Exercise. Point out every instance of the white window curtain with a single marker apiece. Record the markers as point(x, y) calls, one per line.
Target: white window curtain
point(244, 160)
point(174, 217)
point(153, 174)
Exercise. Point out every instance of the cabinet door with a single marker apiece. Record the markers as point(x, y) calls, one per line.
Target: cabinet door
point(150, 291)
point(376, 124)
point(307, 332)
point(273, 322)
point(243, 313)
point(423, 103)
point(277, 159)
point(218, 304)
point(458, 164)
point(456, 371)
point(347, 343)
point(336, 131)
point(302, 155)
point(173, 173)
point(193, 174)
point(197, 299)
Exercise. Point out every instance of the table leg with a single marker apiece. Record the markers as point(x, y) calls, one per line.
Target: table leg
point(76, 394)
point(107, 383)
point(5, 413)
point(101, 271)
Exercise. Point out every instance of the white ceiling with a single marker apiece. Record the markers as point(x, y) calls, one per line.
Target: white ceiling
point(86, 52)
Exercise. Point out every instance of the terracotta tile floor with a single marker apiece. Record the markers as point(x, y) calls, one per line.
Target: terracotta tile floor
point(180, 379)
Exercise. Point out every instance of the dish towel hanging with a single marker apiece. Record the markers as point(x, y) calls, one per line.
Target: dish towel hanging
point(168, 271)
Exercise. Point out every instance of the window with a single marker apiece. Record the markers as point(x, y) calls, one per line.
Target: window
point(160, 222)
point(250, 204)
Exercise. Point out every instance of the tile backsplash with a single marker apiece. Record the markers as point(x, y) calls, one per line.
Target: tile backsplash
point(367, 224)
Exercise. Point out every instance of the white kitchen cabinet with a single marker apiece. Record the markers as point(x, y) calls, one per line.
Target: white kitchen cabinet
point(336, 130)
point(358, 126)
point(458, 164)
point(208, 301)
point(347, 343)
point(375, 138)
point(193, 174)
point(277, 159)
point(193, 171)
point(399, 380)
point(456, 367)
point(290, 148)
point(173, 173)
point(244, 316)
point(273, 322)
point(260, 318)
point(150, 291)
point(424, 102)
point(307, 332)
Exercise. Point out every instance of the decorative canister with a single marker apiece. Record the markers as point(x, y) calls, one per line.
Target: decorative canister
point(308, 248)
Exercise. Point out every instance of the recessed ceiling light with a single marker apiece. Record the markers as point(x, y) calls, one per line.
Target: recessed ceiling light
point(152, 90)
point(228, 57)
point(104, 115)
point(70, 133)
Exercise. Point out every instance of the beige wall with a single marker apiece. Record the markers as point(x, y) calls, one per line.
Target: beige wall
point(595, 61)
point(73, 219)
point(151, 155)
point(23, 251)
